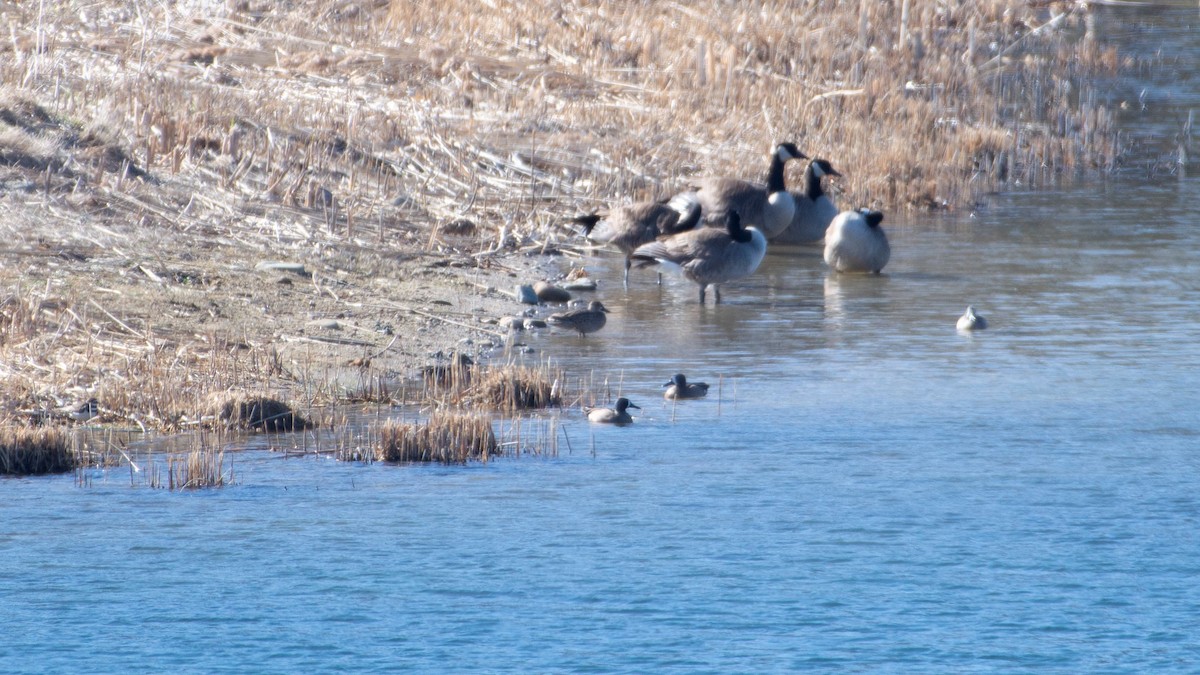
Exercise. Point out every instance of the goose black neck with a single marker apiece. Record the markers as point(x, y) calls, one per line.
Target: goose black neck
point(688, 220)
point(736, 231)
point(775, 174)
point(813, 189)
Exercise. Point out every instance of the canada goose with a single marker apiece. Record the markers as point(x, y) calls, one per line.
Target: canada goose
point(709, 256)
point(679, 388)
point(618, 415)
point(814, 209)
point(768, 208)
point(970, 320)
point(631, 226)
point(585, 320)
point(854, 242)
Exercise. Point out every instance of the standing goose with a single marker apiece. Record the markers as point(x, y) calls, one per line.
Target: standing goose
point(970, 320)
point(768, 208)
point(709, 256)
point(679, 388)
point(814, 209)
point(585, 320)
point(618, 415)
point(631, 226)
point(854, 242)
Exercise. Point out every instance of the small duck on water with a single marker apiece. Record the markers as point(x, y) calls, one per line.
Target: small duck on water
point(584, 321)
point(679, 388)
point(970, 321)
point(618, 415)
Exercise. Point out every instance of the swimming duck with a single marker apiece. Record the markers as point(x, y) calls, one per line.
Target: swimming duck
point(814, 209)
point(854, 242)
point(618, 415)
point(709, 256)
point(768, 208)
point(630, 226)
point(970, 320)
point(584, 320)
point(679, 388)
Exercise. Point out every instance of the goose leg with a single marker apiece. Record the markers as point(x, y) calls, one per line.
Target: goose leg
point(702, 287)
point(717, 293)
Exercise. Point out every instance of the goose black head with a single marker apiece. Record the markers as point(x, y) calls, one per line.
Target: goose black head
point(821, 168)
point(873, 218)
point(588, 222)
point(786, 151)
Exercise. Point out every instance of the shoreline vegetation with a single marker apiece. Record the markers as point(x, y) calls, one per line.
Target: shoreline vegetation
point(309, 201)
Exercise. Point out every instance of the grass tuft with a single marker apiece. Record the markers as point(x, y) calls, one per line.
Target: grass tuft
point(26, 451)
point(447, 437)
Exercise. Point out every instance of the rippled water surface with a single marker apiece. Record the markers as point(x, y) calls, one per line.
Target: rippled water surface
point(871, 491)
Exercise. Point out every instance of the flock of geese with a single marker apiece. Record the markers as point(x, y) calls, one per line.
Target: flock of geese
point(717, 231)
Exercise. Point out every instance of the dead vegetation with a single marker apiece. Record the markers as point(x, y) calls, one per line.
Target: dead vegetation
point(508, 388)
point(28, 451)
point(446, 437)
point(152, 156)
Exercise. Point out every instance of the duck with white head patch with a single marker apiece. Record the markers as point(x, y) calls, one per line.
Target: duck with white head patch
point(678, 388)
point(767, 207)
point(583, 320)
point(854, 242)
point(617, 415)
point(709, 256)
point(814, 208)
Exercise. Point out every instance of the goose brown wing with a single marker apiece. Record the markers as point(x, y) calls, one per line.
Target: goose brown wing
point(682, 248)
point(719, 196)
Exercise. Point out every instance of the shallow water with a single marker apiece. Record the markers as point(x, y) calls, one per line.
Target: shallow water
point(870, 491)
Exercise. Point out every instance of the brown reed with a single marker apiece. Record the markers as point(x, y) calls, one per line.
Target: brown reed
point(446, 437)
point(515, 387)
point(31, 451)
point(201, 468)
point(509, 387)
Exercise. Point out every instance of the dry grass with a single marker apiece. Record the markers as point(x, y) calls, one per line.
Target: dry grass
point(203, 467)
point(507, 388)
point(516, 387)
point(142, 376)
point(28, 451)
point(410, 116)
point(151, 154)
point(447, 437)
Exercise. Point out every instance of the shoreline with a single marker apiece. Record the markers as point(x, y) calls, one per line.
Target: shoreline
point(151, 163)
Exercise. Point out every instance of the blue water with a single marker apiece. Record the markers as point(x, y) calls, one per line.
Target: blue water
point(869, 491)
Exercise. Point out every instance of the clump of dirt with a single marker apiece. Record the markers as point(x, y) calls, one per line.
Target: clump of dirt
point(256, 412)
